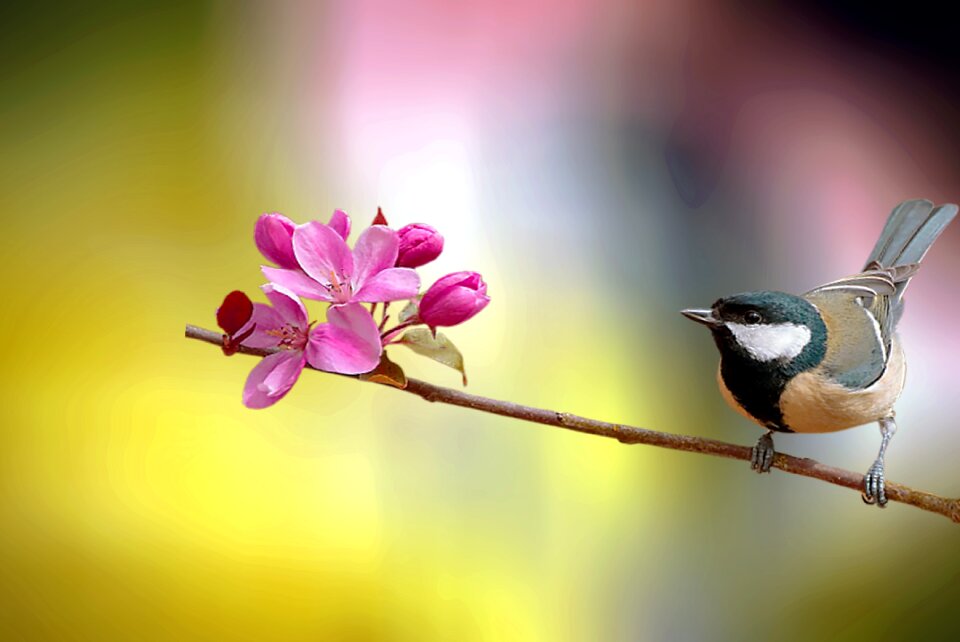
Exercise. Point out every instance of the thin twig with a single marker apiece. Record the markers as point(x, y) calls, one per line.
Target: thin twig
point(385, 317)
point(387, 335)
point(631, 435)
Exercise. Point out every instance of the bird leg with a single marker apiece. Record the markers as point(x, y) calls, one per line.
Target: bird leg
point(874, 490)
point(761, 457)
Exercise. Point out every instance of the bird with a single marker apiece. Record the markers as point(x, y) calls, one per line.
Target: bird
point(829, 359)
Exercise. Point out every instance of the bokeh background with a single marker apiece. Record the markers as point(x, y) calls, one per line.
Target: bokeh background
point(603, 165)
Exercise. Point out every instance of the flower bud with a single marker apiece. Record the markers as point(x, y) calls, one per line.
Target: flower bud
point(453, 299)
point(273, 235)
point(234, 312)
point(234, 315)
point(380, 219)
point(419, 244)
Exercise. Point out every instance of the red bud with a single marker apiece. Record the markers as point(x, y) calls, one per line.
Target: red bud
point(234, 312)
point(379, 219)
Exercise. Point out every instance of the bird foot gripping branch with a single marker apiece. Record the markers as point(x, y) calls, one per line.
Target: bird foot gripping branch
point(314, 262)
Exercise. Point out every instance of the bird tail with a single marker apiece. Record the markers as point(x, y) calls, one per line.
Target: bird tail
point(912, 228)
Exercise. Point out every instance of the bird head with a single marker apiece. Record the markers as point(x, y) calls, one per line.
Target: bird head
point(766, 327)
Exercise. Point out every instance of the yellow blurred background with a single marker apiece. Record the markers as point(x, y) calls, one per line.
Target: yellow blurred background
point(559, 149)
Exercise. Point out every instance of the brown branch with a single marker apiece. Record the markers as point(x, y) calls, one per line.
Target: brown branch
point(631, 435)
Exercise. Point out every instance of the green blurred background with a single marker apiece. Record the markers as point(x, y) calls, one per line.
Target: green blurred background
point(603, 167)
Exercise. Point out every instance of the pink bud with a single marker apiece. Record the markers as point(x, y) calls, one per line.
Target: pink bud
point(273, 235)
point(453, 299)
point(419, 244)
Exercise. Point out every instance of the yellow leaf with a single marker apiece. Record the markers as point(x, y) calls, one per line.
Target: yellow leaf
point(438, 348)
point(386, 372)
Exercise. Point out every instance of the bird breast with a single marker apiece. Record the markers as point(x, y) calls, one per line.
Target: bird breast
point(812, 403)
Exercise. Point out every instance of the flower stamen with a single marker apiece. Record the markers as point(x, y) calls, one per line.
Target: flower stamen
point(289, 337)
point(340, 287)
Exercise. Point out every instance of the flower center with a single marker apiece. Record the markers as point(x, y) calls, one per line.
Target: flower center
point(289, 337)
point(340, 288)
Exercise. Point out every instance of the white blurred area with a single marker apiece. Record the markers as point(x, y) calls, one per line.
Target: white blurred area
point(435, 184)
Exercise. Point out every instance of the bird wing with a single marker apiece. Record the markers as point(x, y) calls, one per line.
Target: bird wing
point(874, 290)
point(857, 351)
point(862, 310)
point(872, 282)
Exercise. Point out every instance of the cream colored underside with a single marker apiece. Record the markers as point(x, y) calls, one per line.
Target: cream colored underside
point(812, 404)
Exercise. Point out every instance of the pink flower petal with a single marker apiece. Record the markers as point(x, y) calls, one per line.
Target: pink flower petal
point(348, 343)
point(321, 252)
point(419, 244)
point(273, 235)
point(465, 279)
point(297, 282)
point(453, 299)
point(458, 304)
point(267, 319)
point(391, 284)
point(272, 378)
point(340, 223)
point(375, 251)
point(357, 319)
point(287, 304)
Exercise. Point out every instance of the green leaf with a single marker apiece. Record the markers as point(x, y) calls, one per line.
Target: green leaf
point(438, 348)
point(386, 372)
point(408, 312)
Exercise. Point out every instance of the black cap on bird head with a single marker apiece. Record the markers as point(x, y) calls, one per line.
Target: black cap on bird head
point(765, 326)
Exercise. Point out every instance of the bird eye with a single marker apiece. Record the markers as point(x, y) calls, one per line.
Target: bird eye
point(752, 317)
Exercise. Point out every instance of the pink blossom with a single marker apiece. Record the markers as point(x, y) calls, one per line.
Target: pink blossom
point(453, 299)
point(273, 234)
point(330, 271)
point(419, 244)
point(349, 343)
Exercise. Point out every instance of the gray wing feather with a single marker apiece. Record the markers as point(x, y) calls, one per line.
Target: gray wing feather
point(905, 219)
point(857, 358)
point(923, 237)
point(912, 228)
point(872, 283)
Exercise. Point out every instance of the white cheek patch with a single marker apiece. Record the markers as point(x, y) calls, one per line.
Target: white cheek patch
point(769, 342)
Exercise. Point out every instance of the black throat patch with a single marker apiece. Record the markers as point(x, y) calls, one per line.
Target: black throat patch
point(757, 385)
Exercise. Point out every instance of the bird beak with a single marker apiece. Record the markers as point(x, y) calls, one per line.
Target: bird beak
point(701, 316)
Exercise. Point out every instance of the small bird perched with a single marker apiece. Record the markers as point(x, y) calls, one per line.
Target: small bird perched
point(829, 359)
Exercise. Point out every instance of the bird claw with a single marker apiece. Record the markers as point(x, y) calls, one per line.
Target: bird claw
point(761, 456)
point(874, 487)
